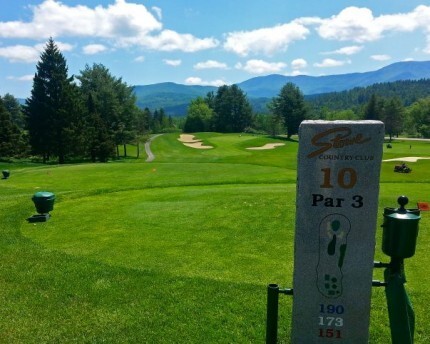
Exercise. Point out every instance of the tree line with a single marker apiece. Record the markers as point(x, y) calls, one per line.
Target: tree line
point(402, 105)
point(286, 110)
point(88, 116)
point(409, 91)
point(91, 115)
point(229, 110)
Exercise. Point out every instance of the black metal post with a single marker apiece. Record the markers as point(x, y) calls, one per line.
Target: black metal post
point(272, 314)
point(400, 310)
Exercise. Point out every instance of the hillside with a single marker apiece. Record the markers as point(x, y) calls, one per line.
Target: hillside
point(409, 91)
point(269, 86)
point(174, 98)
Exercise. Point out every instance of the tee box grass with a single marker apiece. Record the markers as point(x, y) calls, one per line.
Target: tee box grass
point(179, 250)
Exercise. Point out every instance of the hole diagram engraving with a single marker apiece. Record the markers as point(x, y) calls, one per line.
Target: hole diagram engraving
point(333, 242)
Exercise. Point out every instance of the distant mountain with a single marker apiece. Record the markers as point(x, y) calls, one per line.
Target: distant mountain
point(408, 91)
point(269, 86)
point(174, 98)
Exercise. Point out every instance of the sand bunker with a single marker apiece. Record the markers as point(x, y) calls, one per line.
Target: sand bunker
point(407, 159)
point(190, 141)
point(267, 146)
point(197, 145)
point(186, 138)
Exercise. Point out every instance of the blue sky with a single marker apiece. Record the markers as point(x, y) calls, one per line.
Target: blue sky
point(210, 42)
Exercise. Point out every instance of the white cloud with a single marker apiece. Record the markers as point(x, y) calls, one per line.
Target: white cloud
point(331, 63)
point(296, 72)
point(53, 18)
point(193, 80)
point(29, 54)
point(350, 50)
point(359, 25)
point(265, 40)
point(169, 40)
point(20, 53)
point(210, 64)
point(380, 57)
point(261, 67)
point(299, 64)
point(198, 81)
point(352, 24)
point(355, 24)
point(422, 18)
point(92, 49)
point(157, 11)
point(121, 23)
point(28, 77)
point(60, 45)
point(139, 59)
point(173, 63)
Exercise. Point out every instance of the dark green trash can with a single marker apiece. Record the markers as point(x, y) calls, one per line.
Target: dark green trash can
point(44, 201)
point(400, 232)
point(5, 174)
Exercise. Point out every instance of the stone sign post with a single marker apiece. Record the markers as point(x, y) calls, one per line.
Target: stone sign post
point(337, 201)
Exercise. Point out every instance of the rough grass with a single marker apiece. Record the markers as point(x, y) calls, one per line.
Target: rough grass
point(176, 251)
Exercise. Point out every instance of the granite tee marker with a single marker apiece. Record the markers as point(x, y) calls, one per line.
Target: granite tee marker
point(337, 201)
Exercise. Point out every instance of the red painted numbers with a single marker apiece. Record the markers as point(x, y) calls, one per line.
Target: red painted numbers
point(330, 316)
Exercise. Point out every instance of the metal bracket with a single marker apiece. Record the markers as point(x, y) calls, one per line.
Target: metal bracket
point(378, 265)
point(376, 283)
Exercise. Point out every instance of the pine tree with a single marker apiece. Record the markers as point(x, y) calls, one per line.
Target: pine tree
point(393, 116)
point(419, 117)
point(113, 101)
point(98, 141)
point(289, 105)
point(199, 116)
point(232, 110)
point(374, 108)
point(15, 109)
point(53, 108)
point(11, 141)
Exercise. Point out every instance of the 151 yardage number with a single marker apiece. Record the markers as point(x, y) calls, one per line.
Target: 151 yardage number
point(329, 333)
point(335, 320)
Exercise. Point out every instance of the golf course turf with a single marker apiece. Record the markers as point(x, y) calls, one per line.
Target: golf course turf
point(177, 250)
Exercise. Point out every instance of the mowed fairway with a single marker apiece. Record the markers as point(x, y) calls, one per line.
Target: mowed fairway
point(179, 250)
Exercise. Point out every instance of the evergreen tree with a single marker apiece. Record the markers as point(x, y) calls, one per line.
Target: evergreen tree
point(11, 140)
point(393, 116)
point(113, 102)
point(210, 99)
point(274, 125)
point(98, 141)
point(143, 121)
point(53, 108)
point(199, 116)
point(232, 110)
point(374, 108)
point(341, 115)
point(15, 109)
point(155, 124)
point(419, 118)
point(142, 127)
point(290, 106)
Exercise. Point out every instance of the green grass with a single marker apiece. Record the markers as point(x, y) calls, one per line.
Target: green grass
point(175, 251)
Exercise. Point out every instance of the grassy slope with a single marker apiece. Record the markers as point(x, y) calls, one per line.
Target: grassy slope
point(175, 251)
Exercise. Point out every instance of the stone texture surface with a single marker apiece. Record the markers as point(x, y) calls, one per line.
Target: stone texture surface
point(337, 201)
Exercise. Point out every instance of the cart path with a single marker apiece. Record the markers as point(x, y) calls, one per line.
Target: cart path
point(148, 151)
